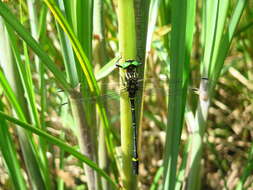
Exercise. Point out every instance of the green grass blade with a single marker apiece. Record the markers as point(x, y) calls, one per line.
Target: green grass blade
point(27, 83)
point(227, 38)
point(221, 21)
point(84, 26)
point(153, 12)
point(211, 19)
point(247, 170)
point(42, 21)
point(84, 117)
point(60, 181)
point(107, 69)
point(183, 17)
point(82, 58)
point(9, 155)
point(86, 67)
point(26, 79)
point(27, 145)
point(216, 45)
point(53, 140)
point(22, 32)
point(155, 185)
point(68, 54)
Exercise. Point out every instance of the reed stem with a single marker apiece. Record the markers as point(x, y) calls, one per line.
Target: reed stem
point(127, 46)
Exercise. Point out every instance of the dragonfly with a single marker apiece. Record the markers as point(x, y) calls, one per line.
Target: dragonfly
point(133, 85)
point(131, 78)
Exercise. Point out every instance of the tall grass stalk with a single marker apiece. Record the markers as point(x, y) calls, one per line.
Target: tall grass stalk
point(25, 71)
point(14, 89)
point(141, 25)
point(86, 69)
point(86, 138)
point(83, 38)
point(127, 49)
point(216, 44)
point(99, 47)
point(6, 144)
point(183, 17)
point(23, 33)
point(53, 140)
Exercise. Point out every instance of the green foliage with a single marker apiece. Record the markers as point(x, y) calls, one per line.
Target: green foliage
point(58, 60)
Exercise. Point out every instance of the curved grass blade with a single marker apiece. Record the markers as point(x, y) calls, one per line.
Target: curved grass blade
point(27, 144)
point(107, 69)
point(67, 52)
point(60, 143)
point(27, 83)
point(25, 35)
point(9, 155)
point(86, 67)
point(82, 58)
point(227, 38)
point(155, 185)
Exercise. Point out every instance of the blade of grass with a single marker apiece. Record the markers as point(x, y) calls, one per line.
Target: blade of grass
point(82, 58)
point(227, 38)
point(84, 26)
point(24, 34)
point(154, 8)
point(87, 70)
point(43, 91)
point(183, 17)
point(211, 21)
point(158, 175)
point(100, 50)
point(60, 181)
point(27, 145)
point(212, 65)
point(85, 121)
point(26, 79)
point(211, 12)
point(141, 24)
point(247, 170)
point(10, 156)
point(107, 69)
point(60, 143)
point(68, 54)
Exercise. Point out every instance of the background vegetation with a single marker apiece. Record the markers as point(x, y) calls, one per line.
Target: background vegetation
point(63, 124)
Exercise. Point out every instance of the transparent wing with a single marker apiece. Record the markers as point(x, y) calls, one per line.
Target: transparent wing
point(151, 88)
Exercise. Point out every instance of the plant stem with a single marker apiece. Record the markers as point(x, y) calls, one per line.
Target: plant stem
point(183, 19)
point(15, 88)
point(127, 46)
point(141, 22)
point(100, 48)
point(196, 138)
point(84, 137)
point(213, 62)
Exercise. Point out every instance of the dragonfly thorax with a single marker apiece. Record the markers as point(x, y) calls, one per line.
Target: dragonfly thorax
point(131, 81)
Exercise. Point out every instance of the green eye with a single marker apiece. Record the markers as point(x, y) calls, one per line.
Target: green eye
point(128, 63)
point(136, 63)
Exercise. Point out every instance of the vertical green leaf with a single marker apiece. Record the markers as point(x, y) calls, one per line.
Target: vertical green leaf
point(127, 48)
point(183, 17)
point(9, 155)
